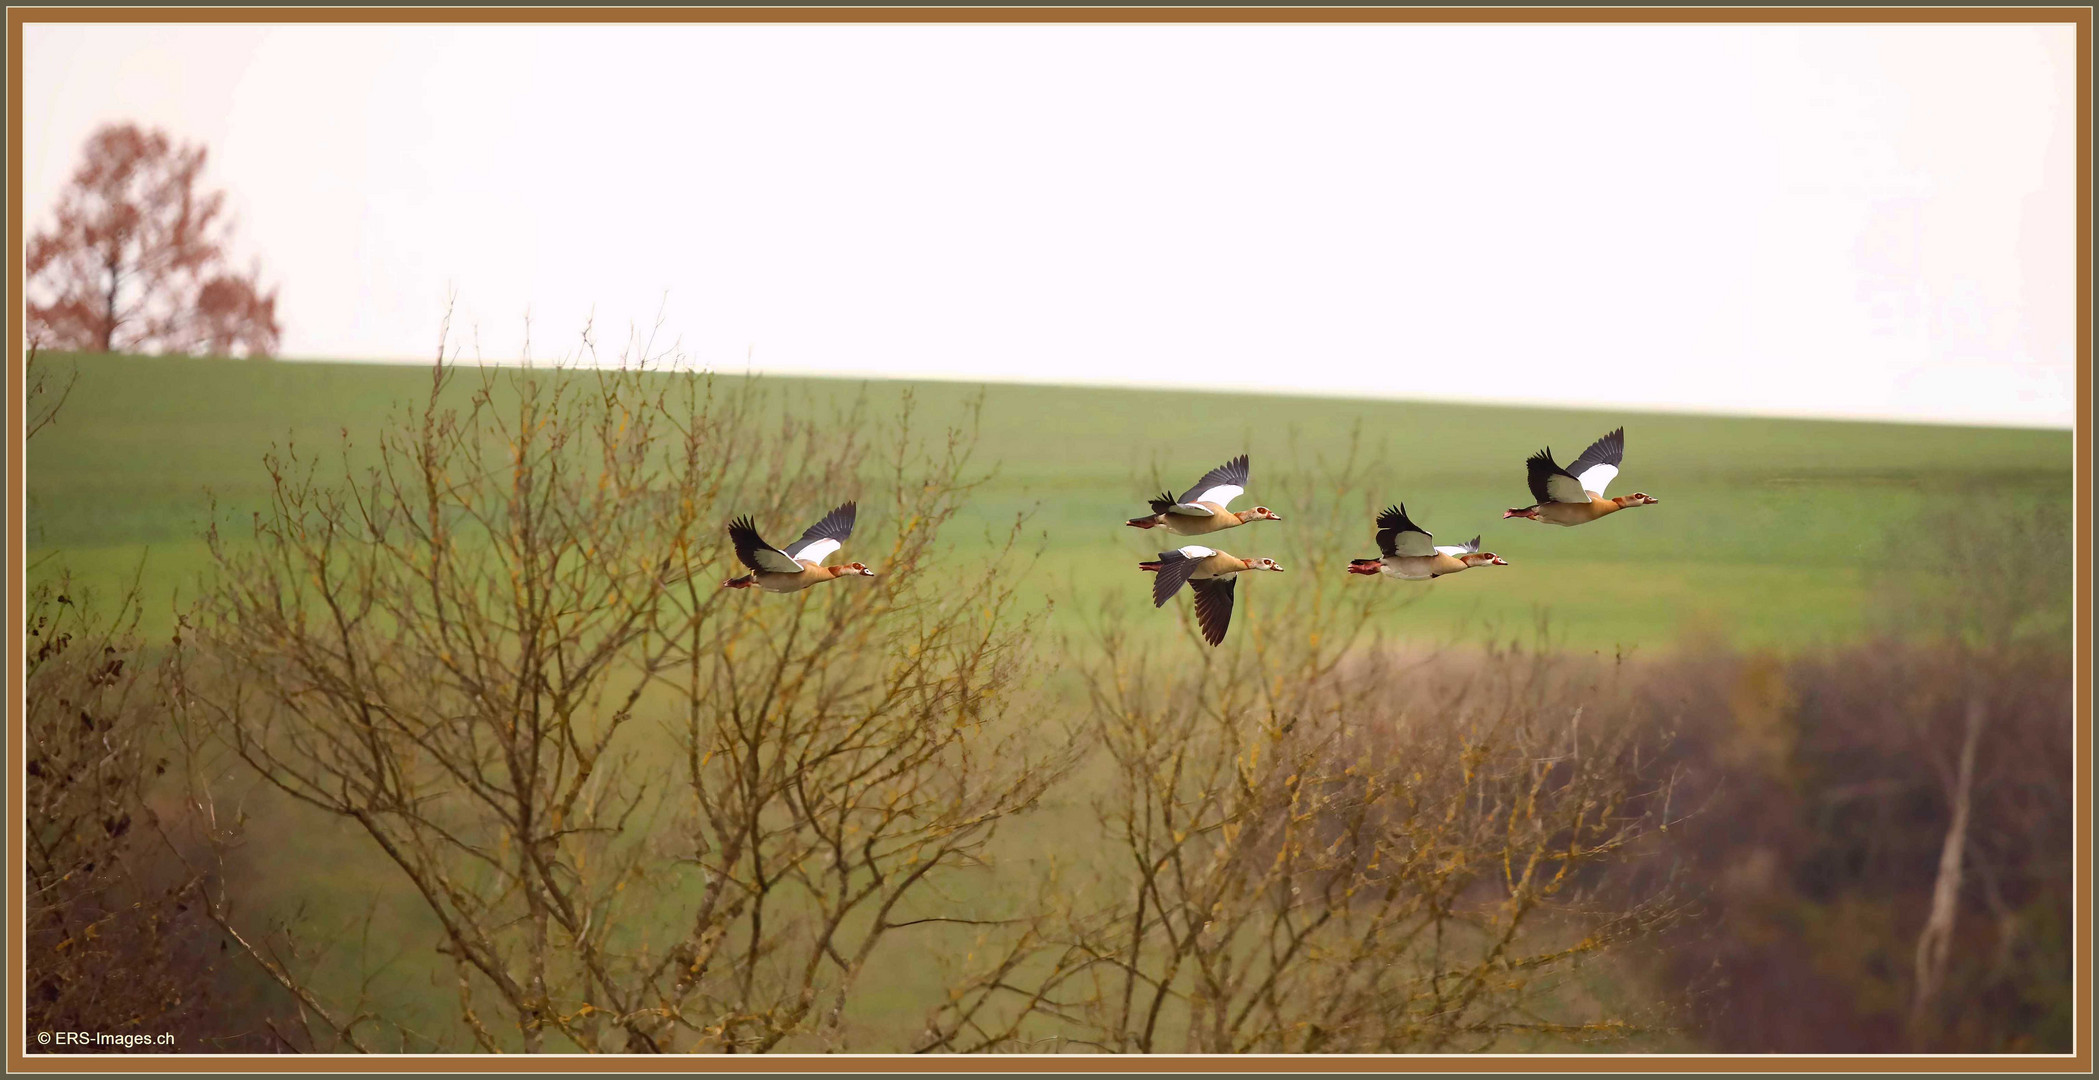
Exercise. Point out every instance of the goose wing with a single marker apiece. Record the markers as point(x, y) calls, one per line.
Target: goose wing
point(1174, 568)
point(825, 537)
point(1220, 485)
point(1398, 536)
point(754, 552)
point(1165, 504)
point(1213, 607)
point(1466, 548)
point(1550, 483)
point(1599, 463)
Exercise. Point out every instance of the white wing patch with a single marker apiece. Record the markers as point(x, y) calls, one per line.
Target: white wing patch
point(1567, 489)
point(1197, 551)
point(1597, 478)
point(1453, 549)
point(777, 561)
point(816, 551)
point(1414, 544)
point(1191, 510)
point(1222, 495)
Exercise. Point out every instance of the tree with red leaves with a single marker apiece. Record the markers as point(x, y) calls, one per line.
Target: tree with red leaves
point(136, 261)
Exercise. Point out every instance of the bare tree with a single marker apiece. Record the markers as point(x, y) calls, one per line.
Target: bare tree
point(648, 814)
point(135, 260)
point(1980, 585)
point(1326, 845)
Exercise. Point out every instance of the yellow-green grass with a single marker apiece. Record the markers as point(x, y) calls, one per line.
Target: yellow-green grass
point(1766, 534)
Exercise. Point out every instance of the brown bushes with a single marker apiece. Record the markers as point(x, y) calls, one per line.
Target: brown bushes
point(115, 943)
point(1823, 788)
point(115, 939)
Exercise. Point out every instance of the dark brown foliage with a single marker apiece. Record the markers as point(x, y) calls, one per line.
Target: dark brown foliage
point(1822, 793)
point(116, 941)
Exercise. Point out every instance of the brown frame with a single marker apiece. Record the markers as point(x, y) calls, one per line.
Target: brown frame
point(2078, 1061)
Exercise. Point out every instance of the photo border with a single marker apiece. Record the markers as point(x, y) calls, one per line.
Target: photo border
point(2079, 1060)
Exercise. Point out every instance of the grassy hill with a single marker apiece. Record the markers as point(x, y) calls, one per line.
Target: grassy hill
point(1765, 536)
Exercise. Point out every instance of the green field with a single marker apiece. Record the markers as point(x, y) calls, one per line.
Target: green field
point(1766, 536)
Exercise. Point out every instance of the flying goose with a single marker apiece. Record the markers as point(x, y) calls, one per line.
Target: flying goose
point(1204, 507)
point(1209, 572)
point(800, 564)
point(1574, 495)
point(1410, 553)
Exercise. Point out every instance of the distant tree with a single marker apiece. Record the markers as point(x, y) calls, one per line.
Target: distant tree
point(1991, 581)
point(136, 260)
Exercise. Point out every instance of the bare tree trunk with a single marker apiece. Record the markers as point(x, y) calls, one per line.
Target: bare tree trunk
point(109, 302)
point(1935, 944)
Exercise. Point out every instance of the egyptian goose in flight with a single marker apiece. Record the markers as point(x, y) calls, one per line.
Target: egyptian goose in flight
point(1203, 508)
point(800, 564)
point(1574, 495)
point(1410, 552)
point(1207, 571)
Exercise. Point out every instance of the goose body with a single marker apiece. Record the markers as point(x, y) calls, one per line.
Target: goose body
point(1206, 507)
point(1409, 552)
point(800, 564)
point(1210, 574)
point(1574, 495)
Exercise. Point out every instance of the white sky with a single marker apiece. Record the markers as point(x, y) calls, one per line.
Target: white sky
point(1838, 220)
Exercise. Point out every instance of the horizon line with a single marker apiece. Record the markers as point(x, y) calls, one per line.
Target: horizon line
point(1255, 390)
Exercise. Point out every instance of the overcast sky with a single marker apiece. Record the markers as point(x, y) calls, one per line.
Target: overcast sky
point(1839, 220)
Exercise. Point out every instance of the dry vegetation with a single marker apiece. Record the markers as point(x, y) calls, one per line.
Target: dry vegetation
point(114, 940)
point(645, 814)
point(1321, 844)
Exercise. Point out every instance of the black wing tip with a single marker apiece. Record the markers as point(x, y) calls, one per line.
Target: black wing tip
point(1234, 472)
point(836, 525)
point(1213, 608)
point(1541, 465)
point(743, 536)
point(1608, 449)
point(1541, 468)
point(1174, 569)
point(1395, 517)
